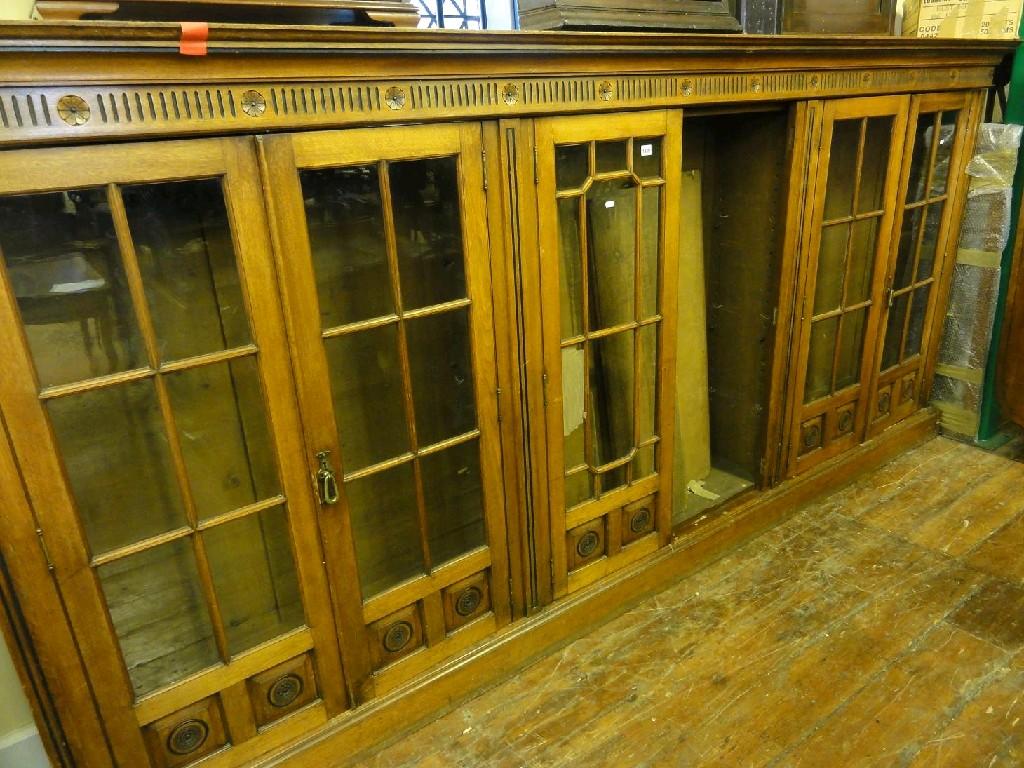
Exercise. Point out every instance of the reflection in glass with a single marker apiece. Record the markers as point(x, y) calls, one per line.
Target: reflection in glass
point(366, 387)
point(65, 271)
point(647, 158)
point(828, 289)
point(428, 231)
point(386, 529)
point(862, 260)
point(573, 406)
point(944, 152)
point(650, 240)
point(930, 241)
point(842, 168)
point(920, 157)
point(820, 359)
point(647, 385)
point(441, 373)
point(894, 331)
point(454, 500)
point(908, 244)
point(570, 267)
point(611, 385)
point(254, 578)
point(345, 219)
point(572, 165)
point(874, 168)
point(118, 462)
point(643, 465)
point(915, 329)
point(223, 432)
point(579, 488)
point(156, 605)
point(183, 243)
point(611, 156)
point(611, 252)
point(851, 349)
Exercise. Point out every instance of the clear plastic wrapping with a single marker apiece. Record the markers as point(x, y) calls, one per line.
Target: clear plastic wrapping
point(974, 294)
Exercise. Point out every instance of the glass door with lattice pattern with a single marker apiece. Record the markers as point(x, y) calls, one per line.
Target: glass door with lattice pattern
point(382, 250)
point(608, 199)
point(851, 214)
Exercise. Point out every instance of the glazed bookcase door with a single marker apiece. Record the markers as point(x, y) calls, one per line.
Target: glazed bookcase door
point(922, 249)
point(608, 199)
point(151, 409)
point(843, 275)
point(383, 251)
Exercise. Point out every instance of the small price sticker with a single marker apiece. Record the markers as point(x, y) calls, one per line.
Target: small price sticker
point(646, 150)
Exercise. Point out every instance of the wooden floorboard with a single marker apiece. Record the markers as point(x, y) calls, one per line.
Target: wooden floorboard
point(883, 625)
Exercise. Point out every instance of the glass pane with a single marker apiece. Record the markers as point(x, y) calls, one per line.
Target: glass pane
point(851, 347)
point(345, 220)
point(643, 464)
point(428, 231)
point(894, 331)
point(65, 271)
point(915, 330)
point(183, 243)
point(611, 397)
point(947, 136)
point(613, 480)
point(842, 168)
point(920, 157)
point(611, 156)
point(876, 163)
point(254, 577)
point(442, 376)
point(828, 290)
point(650, 248)
point(386, 529)
point(611, 250)
point(908, 244)
point(366, 387)
point(930, 241)
point(647, 158)
point(454, 499)
point(573, 406)
point(648, 384)
point(570, 270)
point(819, 362)
point(119, 464)
point(862, 260)
point(222, 427)
point(578, 489)
point(572, 165)
point(158, 611)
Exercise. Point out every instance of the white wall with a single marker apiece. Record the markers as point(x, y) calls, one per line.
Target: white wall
point(15, 9)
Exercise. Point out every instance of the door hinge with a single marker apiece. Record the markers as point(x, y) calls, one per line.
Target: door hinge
point(536, 165)
point(484, 153)
point(498, 395)
point(46, 550)
point(544, 389)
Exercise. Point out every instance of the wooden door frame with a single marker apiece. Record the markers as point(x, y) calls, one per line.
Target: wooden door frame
point(947, 241)
point(34, 444)
point(896, 106)
point(282, 157)
point(548, 133)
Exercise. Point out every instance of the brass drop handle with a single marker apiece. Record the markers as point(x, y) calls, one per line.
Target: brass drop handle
point(326, 480)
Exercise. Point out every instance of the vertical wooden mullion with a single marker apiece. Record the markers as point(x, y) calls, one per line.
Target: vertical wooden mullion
point(403, 357)
point(589, 448)
point(133, 276)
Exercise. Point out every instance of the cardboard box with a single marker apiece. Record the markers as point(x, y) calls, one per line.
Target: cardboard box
point(985, 19)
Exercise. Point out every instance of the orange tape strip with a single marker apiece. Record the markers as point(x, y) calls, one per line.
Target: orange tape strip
point(194, 35)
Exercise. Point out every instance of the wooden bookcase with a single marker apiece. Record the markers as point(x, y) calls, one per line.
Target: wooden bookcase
point(346, 371)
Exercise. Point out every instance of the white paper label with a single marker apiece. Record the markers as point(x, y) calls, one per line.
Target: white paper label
point(609, 203)
point(646, 150)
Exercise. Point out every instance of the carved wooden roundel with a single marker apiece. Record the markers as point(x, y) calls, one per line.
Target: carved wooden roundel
point(606, 90)
point(73, 110)
point(187, 737)
point(884, 401)
point(468, 601)
point(588, 544)
point(640, 521)
point(510, 94)
point(285, 690)
point(254, 103)
point(907, 392)
point(845, 423)
point(812, 436)
point(398, 636)
point(395, 97)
